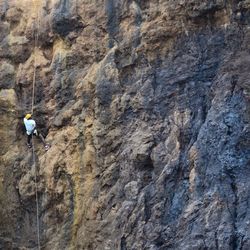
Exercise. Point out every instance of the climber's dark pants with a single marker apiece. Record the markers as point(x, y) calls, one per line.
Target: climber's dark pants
point(30, 137)
point(36, 134)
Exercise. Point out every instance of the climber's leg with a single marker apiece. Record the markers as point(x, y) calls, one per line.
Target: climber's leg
point(43, 140)
point(29, 137)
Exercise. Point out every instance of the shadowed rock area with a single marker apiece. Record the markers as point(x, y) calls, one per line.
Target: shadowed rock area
point(146, 107)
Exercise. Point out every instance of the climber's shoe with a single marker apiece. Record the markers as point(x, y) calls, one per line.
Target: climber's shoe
point(29, 145)
point(47, 147)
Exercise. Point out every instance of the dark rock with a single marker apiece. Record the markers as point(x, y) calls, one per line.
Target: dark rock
point(146, 107)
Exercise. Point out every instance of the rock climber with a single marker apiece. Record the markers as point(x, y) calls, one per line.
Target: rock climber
point(31, 130)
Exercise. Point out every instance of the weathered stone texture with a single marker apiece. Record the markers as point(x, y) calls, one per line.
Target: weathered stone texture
point(146, 107)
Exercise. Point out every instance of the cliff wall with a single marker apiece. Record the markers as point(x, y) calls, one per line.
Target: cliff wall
point(146, 107)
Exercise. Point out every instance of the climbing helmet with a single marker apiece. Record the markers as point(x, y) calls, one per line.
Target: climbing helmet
point(28, 116)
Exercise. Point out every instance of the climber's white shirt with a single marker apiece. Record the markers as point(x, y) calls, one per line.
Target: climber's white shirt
point(29, 125)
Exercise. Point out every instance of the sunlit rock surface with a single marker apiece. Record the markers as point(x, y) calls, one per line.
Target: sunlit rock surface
point(146, 107)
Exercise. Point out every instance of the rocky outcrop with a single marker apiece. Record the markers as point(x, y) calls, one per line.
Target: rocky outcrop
point(146, 107)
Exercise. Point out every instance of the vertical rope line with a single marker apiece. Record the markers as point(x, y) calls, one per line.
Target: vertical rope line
point(34, 72)
point(36, 30)
point(37, 205)
point(33, 85)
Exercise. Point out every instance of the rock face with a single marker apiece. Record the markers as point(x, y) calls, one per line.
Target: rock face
point(146, 107)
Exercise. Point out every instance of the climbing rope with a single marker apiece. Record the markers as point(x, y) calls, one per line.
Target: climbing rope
point(37, 205)
point(34, 71)
point(33, 85)
point(36, 30)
